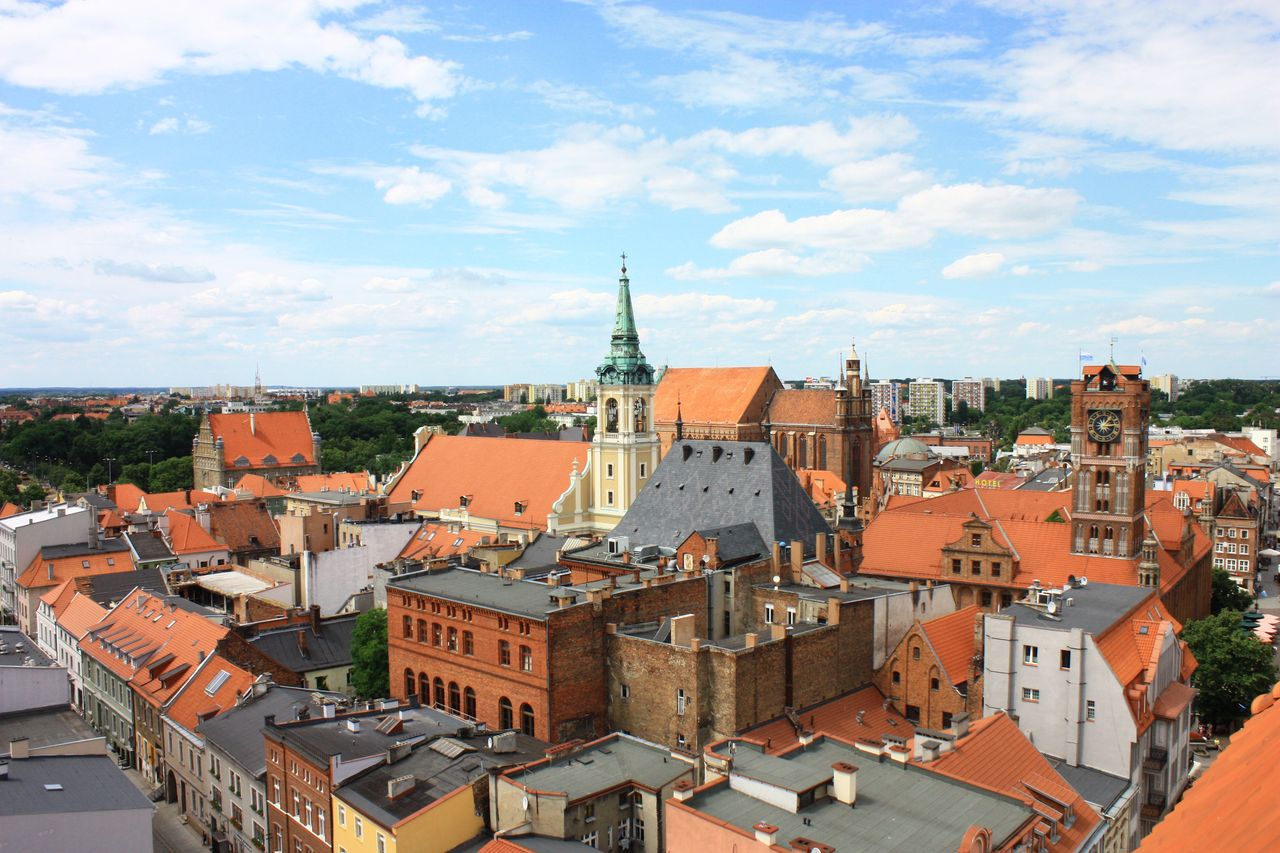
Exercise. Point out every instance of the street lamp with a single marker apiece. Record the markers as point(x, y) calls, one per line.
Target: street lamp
point(110, 460)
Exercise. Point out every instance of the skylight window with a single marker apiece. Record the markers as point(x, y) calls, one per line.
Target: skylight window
point(217, 682)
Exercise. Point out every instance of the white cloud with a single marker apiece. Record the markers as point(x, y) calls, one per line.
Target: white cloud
point(820, 142)
point(993, 211)
point(171, 125)
point(382, 284)
point(863, 230)
point(412, 186)
point(879, 179)
point(1272, 289)
point(974, 266)
point(49, 164)
point(89, 47)
point(167, 273)
point(773, 262)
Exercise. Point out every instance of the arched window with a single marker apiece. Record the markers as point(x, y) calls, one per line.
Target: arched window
point(435, 633)
point(802, 452)
point(611, 415)
point(505, 717)
point(422, 630)
point(468, 643)
point(453, 640)
point(1109, 533)
point(410, 683)
point(439, 690)
point(640, 416)
point(424, 689)
point(469, 703)
point(407, 626)
point(822, 452)
point(526, 719)
point(455, 697)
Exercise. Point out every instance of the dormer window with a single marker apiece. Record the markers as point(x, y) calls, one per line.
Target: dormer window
point(298, 459)
point(241, 462)
point(464, 501)
point(520, 508)
point(269, 460)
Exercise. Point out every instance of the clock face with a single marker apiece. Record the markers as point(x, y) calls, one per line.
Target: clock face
point(1104, 425)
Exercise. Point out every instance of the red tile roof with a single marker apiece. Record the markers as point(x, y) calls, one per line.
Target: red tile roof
point(1234, 802)
point(838, 718)
point(713, 395)
point(952, 638)
point(81, 614)
point(824, 487)
point(1131, 648)
point(1034, 439)
point(60, 596)
point(434, 540)
point(802, 408)
point(158, 502)
point(998, 480)
point(125, 496)
point(885, 429)
point(349, 481)
point(194, 703)
point(243, 526)
point(259, 486)
point(186, 536)
point(996, 755)
point(494, 474)
point(285, 437)
point(37, 574)
point(1240, 443)
point(7, 509)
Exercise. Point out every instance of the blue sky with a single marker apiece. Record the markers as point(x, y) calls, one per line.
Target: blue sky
point(348, 192)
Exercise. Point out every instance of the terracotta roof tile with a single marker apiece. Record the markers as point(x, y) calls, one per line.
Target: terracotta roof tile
point(81, 614)
point(158, 502)
point(125, 496)
point(714, 395)
point(186, 536)
point(37, 573)
point(952, 638)
point(824, 487)
point(434, 540)
point(7, 509)
point(1234, 802)
point(194, 703)
point(838, 718)
point(494, 474)
point(243, 526)
point(789, 407)
point(339, 481)
point(1025, 440)
point(259, 486)
point(282, 436)
point(64, 591)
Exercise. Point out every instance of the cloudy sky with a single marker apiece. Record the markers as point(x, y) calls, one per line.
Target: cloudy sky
point(347, 192)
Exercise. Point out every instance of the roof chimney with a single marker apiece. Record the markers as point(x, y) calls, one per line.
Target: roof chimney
point(19, 748)
point(844, 783)
point(960, 724)
point(400, 786)
point(766, 834)
point(252, 431)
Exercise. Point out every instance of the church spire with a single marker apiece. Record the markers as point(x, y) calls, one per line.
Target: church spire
point(625, 364)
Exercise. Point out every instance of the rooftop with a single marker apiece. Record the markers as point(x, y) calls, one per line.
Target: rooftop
point(331, 646)
point(44, 727)
point(322, 738)
point(1095, 608)
point(69, 784)
point(16, 648)
point(36, 516)
point(237, 731)
point(613, 760)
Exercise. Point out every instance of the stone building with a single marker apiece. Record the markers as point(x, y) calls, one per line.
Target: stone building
point(277, 445)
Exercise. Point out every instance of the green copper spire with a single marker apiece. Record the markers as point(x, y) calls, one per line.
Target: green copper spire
point(625, 364)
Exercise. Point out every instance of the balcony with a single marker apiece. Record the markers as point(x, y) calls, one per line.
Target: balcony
point(1153, 805)
point(1157, 758)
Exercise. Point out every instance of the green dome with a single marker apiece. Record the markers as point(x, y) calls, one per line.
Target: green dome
point(903, 447)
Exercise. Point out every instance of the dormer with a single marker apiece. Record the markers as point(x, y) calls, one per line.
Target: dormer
point(978, 554)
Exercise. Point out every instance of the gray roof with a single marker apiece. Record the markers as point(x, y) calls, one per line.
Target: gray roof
point(90, 783)
point(238, 731)
point(108, 589)
point(337, 498)
point(331, 647)
point(1048, 480)
point(19, 648)
point(1099, 789)
point(898, 807)
point(323, 738)
point(44, 727)
point(612, 761)
point(437, 773)
point(78, 549)
point(468, 586)
point(1094, 608)
point(701, 485)
point(539, 553)
point(903, 463)
point(147, 547)
point(736, 543)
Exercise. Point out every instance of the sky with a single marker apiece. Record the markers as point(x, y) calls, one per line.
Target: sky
point(341, 192)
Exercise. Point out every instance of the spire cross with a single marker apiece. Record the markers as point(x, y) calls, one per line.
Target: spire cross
point(624, 262)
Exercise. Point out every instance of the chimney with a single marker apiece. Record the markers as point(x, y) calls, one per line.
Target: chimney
point(93, 536)
point(960, 724)
point(19, 748)
point(303, 649)
point(928, 750)
point(252, 431)
point(822, 548)
point(777, 558)
point(682, 790)
point(766, 834)
point(844, 783)
point(353, 726)
point(400, 786)
point(797, 560)
point(713, 553)
point(328, 710)
point(315, 619)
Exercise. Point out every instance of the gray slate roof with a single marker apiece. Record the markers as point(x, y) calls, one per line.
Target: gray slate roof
point(607, 764)
point(108, 589)
point(146, 547)
point(1094, 608)
point(90, 783)
point(238, 731)
point(331, 647)
point(700, 485)
point(1099, 789)
point(736, 543)
point(322, 739)
point(77, 549)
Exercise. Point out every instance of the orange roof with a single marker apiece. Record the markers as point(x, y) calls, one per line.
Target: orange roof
point(1240, 443)
point(493, 474)
point(434, 540)
point(349, 481)
point(65, 591)
point(997, 480)
point(264, 439)
point(80, 614)
point(885, 429)
point(1197, 490)
point(1233, 803)
point(38, 575)
point(952, 638)
point(1131, 647)
point(109, 519)
point(243, 526)
point(125, 496)
point(259, 486)
point(837, 718)
point(1034, 439)
point(194, 703)
point(7, 509)
point(153, 645)
point(713, 395)
point(1129, 370)
point(823, 487)
point(186, 536)
point(997, 756)
point(158, 502)
point(807, 408)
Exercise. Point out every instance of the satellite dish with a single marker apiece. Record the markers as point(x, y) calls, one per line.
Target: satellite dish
point(1084, 581)
point(524, 803)
point(1052, 607)
point(777, 579)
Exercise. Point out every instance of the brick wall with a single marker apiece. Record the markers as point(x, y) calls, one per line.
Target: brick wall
point(934, 708)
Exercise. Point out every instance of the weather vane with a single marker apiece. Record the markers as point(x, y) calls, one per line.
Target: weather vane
point(624, 262)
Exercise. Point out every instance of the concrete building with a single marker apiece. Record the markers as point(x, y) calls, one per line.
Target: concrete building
point(887, 395)
point(971, 392)
point(28, 677)
point(927, 398)
point(23, 535)
point(1168, 383)
point(1096, 676)
point(1039, 388)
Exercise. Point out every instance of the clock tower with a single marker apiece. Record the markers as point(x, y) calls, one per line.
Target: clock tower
point(1110, 405)
point(624, 451)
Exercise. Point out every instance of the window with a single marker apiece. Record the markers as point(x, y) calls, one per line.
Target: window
point(1064, 659)
point(382, 843)
point(590, 838)
point(359, 828)
point(319, 821)
point(505, 714)
point(644, 469)
point(608, 470)
point(297, 805)
point(1244, 549)
point(1030, 694)
point(1031, 654)
point(1244, 534)
point(455, 697)
point(986, 598)
point(897, 677)
point(435, 633)
point(915, 653)
point(468, 643)
point(504, 653)
point(608, 498)
point(975, 540)
point(452, 642)
point(995, 570)
point(956, 565)
point(438, 689)
point(422, 630)
point(588, 812)
point(275, 791)
point(1090, 710)
point(681, 700)
point(768, 614)
point(933, 684)
point(526, 659)
point(408, 626)
point(791, 616)
point(1231, 533)
point(526, 719)
point(469, 702)
point(946, 719)
point(625, 692)
point(975, 567)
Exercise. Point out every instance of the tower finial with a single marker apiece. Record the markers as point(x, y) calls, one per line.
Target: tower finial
point(679, 420)
point(624, 263)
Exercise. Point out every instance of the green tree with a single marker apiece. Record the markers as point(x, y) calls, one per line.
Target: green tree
point(139, 473)
point(369, 661)
point(171, 475)
point(530, 420)
point(1227, 594)
point(32, 492)
point(72, 482)
point(1234, 666)
point(9, 486)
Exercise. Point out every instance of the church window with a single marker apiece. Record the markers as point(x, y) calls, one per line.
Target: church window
point(802, 452)
point(639, 416)
point(644, 470)
point(608, 470)
point(822, 452)
point(611, 415)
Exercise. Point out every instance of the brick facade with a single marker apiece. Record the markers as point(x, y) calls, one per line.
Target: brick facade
point(917, 684)
point(299, 816)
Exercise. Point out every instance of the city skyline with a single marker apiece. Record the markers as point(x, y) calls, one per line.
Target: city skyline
point(355, 192)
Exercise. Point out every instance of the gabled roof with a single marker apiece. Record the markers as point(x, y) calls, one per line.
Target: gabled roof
point(125, 496)
point(81, 614)
point(714, 395)
point(789, 407)
point(997, 756)
point(338, 481)
point(824, 487)
point(1233, 803)
point(158, 502)
point(57, 563)
point(186, 536)
point(494, 475)
point(244, 526)
point(1241, 444)
point(952, 638)
point(264, 439)
point(1024, 439)
point(433, 539)
point(301, 649)
point(1233, 507)
point(1197, 490)
point(259, 486)
point(862, 714)
point(214, 688)
point(58, 597)
point(7, 509)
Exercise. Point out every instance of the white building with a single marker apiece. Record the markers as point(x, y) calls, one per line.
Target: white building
point(23, 535)
point(971, 392)
point(887, 395)
point(927, 398)
point(1264, 438)
point(1039, 388)
point(1094, 675)
point(1168, 383)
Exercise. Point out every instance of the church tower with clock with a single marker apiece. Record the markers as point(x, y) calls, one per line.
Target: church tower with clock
point(1110, 406)
point(624, 451)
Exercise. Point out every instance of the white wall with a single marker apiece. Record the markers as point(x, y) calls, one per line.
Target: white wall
point(896, 613)
point(23, 688)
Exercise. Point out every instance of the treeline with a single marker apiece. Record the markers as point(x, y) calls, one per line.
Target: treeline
point(1226, 405)
point(371, 434)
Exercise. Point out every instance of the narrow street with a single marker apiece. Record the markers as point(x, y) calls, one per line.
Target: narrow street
point(171, 835)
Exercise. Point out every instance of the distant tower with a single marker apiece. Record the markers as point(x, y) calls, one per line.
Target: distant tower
point(624, 451)
point(257, 381)
point(854, 420)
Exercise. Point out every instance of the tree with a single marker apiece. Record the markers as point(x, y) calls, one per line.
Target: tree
point(139, 473)
point(1234, 666)
point(369, 661)
point(1227, 594)
point(9, 486)
point(72, 482)
point(171, 475)
point(32, 492)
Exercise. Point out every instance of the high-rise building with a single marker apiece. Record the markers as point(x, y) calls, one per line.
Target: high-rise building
point(927, 398)
point(991, 383)
point(887, 395)
point(1168, 383)
point(972, 392)
point(1039, 388)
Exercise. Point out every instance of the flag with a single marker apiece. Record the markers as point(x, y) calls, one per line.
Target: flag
point(1086, 356)
point(1144, 361)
